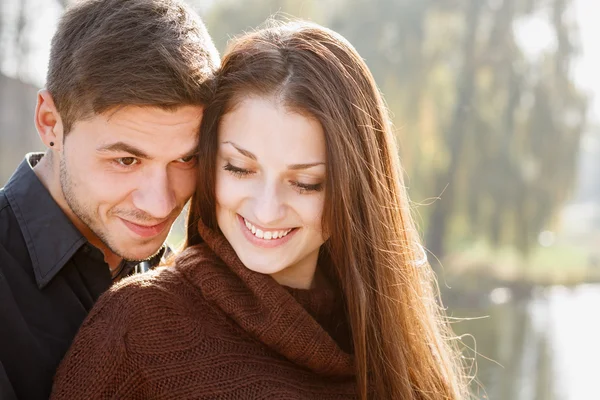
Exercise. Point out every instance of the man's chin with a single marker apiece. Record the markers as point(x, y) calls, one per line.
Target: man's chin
point(138, 257)
point(140, 252)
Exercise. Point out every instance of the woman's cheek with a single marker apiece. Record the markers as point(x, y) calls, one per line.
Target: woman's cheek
point(310, 208)
point(230, 190)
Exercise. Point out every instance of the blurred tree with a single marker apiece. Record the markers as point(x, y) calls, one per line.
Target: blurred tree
point(490, 130)
point(552, 134)
point(18, 43)
point(22, 46)
point(483, 126)
point(456, 133)
point(3, 13)
point(508, 157)
point(228, 18)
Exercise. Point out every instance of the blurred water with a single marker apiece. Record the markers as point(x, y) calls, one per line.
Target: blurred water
point(544, 348)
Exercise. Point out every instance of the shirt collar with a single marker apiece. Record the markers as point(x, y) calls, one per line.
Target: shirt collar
point(50, 236)
point(129, 267)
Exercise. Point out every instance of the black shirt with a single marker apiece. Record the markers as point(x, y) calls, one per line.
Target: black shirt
point(50, 277)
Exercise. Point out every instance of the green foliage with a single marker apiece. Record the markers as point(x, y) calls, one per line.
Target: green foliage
point(228, 18)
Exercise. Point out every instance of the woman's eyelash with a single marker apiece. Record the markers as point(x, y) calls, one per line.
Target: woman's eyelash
point(303, 187)
point(240, 172)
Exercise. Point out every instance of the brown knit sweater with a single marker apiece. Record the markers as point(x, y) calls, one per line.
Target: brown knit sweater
point(209, 328)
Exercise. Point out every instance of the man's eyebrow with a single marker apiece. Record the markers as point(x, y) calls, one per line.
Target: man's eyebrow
point(242, 151)
point(122, 147)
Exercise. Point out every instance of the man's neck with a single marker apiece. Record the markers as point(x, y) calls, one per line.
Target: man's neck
point(46, 173)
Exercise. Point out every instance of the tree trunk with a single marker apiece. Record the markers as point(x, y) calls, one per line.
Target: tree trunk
point(445, 182)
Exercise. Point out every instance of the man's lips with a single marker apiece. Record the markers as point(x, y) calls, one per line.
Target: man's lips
point(145, 231)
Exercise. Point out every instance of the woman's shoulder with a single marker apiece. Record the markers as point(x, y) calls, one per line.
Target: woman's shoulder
point(135, 322)
point(166, 293)
point(138, 296)
point(161, 282)
point(144, 310)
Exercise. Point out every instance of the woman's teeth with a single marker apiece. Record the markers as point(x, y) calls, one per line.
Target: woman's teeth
point(266, 235)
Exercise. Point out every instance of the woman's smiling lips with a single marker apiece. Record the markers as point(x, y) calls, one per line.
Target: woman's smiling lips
point(145, 231)
point(267, 238)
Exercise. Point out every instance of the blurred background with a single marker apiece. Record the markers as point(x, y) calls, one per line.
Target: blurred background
point(496, 112)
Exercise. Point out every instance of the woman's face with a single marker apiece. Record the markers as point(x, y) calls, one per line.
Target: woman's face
point(270, 189)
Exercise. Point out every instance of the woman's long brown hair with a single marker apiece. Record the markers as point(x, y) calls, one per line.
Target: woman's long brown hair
point(400, 340)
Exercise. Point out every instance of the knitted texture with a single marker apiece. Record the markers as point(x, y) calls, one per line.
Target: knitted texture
point(209, 328)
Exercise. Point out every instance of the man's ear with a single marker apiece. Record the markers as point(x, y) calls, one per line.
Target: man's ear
point(47, 121)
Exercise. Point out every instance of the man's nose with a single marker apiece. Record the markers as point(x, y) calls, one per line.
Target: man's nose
point(155, 195)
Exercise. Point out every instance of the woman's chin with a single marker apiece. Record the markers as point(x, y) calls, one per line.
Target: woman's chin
point(263, 266)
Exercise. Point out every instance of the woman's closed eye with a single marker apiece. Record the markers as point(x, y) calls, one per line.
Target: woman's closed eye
point(237, 171)
point(306, 187)
point(300, 187)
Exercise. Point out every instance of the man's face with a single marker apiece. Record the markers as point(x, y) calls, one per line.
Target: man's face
point(127, 175)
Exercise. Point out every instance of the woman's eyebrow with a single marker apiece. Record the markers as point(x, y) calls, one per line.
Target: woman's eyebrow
point(241, 150)
point(294, 167)
point(304, 166)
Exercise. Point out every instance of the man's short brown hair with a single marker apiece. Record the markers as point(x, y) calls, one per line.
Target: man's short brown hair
point(111, 53)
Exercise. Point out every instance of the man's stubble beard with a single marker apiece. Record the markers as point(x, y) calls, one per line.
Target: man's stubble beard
point(81, 211)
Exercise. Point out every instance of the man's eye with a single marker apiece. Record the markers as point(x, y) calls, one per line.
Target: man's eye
point(187, 159)
point(127, 161)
